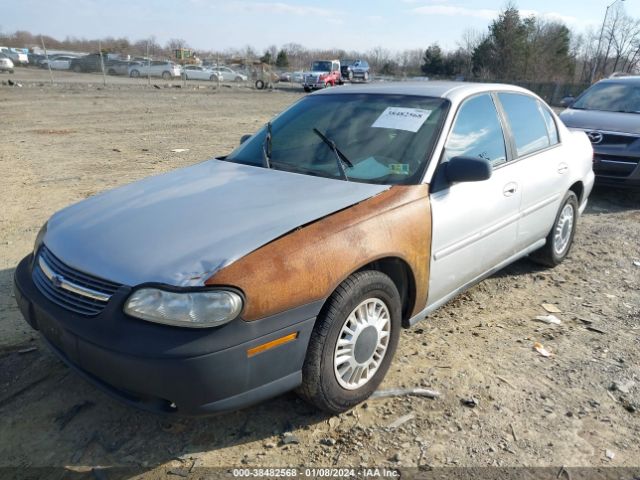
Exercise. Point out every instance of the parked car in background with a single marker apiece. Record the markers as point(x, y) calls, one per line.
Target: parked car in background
point(17, 57)
point(6, 64)
point(156, 68)
point(609, 113)
point(229, 75)
point(61, 63)
point(285, 76)
point(119, 67)
point(323, 74)
point(355, 70)
point(355, 213)
point(88, 63)
point(297, 77)
point(196, 72)
point(44, 62)
point(35, 58)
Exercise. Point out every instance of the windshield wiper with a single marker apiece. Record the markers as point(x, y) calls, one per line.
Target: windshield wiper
point(340, 157)
point(266, 148)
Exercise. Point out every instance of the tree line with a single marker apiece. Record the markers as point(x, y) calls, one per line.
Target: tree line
point(514, 48)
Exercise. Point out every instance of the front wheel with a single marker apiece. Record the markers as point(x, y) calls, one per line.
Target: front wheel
point(560, 237)
point(134, 74)
point(166, 75)
point(352, 343)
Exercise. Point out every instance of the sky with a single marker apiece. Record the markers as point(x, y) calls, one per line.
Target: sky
point(346, 24)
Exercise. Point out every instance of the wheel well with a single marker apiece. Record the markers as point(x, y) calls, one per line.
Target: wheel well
point(402, 276)
point(578, 189)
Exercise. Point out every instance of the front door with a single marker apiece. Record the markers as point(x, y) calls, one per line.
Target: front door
point(474, 223)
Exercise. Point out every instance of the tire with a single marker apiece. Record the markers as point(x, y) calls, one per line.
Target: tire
point(77, 68)
point(111, 71)
point(259, 84)
point(239, 79)
point(213, 78)
point(307, 89)
point(166, 75)
point(324, 384)
point(560, 237)
point(366, 77)
point(134, 73)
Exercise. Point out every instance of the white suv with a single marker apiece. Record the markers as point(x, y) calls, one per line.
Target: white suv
point(162, 68)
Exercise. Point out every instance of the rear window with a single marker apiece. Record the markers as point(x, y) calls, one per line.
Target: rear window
point(528, 126)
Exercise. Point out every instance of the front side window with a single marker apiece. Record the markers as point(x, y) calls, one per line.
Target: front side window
point(528, 127)
point(477, 132)
point(388, 138)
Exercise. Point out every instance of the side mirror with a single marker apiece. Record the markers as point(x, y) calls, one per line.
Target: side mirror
point(467, 169)
point(567, 101)
point(244, 138)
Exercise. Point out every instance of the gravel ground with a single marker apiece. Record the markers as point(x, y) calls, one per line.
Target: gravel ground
point(577, 408)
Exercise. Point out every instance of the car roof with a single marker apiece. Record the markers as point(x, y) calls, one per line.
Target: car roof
point(630, 80)
point(454, 91)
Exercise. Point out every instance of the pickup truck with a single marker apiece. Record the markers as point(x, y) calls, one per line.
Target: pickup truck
point(323, 74)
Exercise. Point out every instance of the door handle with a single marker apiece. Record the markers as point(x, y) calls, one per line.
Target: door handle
point(509, 189)
point(562, 168)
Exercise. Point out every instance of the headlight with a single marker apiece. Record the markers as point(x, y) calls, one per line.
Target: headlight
point(198, 309)
point(39, 239)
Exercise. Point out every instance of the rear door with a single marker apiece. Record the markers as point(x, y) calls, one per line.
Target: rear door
point(539, 163)
point(474, 223)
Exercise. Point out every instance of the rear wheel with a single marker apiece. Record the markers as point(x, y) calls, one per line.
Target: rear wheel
point(134, 73)
point(352, 343)
point(560, 237)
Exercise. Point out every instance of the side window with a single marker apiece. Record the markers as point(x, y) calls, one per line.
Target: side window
point(527, 124)
point(477, 132)
point(552, 129)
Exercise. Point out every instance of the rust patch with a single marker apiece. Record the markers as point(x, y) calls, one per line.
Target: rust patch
point(308, 264)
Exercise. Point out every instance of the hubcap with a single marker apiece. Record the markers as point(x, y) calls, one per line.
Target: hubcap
point(362, 344)
point(564, 228)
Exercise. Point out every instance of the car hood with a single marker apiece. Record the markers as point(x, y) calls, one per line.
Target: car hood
point(181, 227)
point(599, 120)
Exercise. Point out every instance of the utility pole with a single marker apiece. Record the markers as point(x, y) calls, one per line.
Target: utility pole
point(604, 21)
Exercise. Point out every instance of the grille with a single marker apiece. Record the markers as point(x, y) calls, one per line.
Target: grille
point(80, 298)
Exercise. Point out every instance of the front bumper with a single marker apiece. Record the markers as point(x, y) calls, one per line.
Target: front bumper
point(618, 169)
point(167, 369)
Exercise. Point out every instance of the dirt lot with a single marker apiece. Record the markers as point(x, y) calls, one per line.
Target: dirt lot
point(65, 142)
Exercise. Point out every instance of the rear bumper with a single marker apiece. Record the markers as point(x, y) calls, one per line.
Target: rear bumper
point(167, 369)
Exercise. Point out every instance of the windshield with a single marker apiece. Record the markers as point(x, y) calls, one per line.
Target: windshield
point(321, 67)
point(387, 138)
point(610, 97)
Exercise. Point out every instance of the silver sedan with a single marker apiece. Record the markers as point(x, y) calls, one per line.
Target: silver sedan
point(195, 72)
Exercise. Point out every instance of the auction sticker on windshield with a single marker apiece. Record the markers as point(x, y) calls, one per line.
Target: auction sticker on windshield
point(399, 118)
